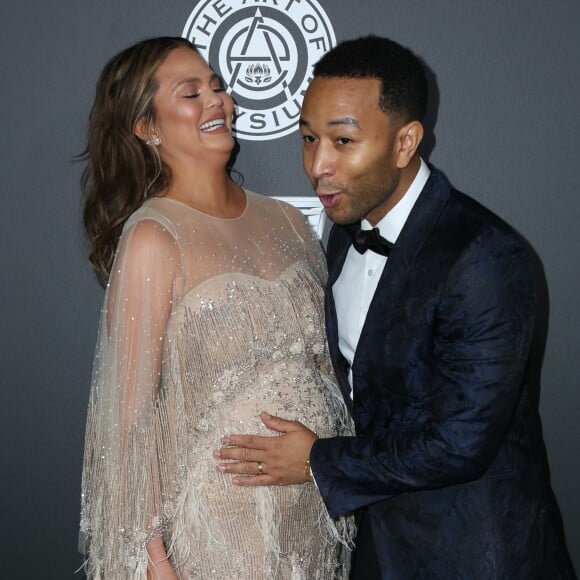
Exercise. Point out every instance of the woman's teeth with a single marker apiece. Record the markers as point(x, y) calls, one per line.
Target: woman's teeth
point(212, 125)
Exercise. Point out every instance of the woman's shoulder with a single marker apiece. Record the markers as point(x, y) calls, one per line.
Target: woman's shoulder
point(150, 234)
point(273, 205)
point(154, 214)
point(147, 238)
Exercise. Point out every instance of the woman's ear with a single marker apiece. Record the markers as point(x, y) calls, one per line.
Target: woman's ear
point(145, 132)
point(409, 137)
point(142, 130)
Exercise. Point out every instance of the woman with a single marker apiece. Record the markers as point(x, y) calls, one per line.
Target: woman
point(212, 313)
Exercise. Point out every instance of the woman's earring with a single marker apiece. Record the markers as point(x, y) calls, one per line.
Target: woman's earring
point(155, 142)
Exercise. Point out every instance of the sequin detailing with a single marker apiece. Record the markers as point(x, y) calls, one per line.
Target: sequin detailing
point(206, 323)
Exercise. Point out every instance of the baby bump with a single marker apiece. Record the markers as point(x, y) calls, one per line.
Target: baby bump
point(294, 389)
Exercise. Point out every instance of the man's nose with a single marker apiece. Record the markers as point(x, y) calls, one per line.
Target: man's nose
point(322, 163)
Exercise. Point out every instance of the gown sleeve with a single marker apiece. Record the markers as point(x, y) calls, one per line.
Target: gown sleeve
point(309, 243)
point(127, 434)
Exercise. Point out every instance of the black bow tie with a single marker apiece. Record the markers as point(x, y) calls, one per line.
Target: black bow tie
point(364, 240)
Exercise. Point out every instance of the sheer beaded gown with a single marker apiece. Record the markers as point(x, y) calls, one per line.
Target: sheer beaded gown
point(207, 322)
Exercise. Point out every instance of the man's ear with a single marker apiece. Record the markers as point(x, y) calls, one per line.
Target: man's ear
point(407, 141)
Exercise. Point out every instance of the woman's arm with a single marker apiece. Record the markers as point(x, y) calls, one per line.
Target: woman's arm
point(122, 499)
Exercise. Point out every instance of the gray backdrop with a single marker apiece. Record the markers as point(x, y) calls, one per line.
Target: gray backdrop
point(506, 130)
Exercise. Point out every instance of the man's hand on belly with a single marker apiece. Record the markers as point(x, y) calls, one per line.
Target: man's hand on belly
point(277, 460)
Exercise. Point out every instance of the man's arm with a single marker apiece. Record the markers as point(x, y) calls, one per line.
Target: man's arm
point(482, 334)
point(480, 346)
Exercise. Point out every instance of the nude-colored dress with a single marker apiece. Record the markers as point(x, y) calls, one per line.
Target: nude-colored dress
point(206, 323)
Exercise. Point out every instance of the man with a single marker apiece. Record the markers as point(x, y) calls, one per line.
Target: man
point(429, 332)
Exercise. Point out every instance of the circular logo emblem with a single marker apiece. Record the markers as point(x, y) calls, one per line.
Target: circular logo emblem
point(264, 51)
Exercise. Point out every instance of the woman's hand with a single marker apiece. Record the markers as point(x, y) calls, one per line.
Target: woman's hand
point(160, 567)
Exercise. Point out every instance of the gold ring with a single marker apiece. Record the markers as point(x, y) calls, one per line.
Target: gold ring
point(260, 468)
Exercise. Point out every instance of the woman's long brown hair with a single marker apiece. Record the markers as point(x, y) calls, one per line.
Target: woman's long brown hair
point(122, 171)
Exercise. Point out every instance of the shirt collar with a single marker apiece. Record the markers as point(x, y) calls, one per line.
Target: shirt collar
point(392, 224)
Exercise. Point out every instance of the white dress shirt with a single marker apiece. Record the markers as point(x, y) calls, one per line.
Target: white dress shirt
point(355, 287)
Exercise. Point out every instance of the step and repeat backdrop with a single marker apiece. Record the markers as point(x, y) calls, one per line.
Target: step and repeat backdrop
point(503, 124)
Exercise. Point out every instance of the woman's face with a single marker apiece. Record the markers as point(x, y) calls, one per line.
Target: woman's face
point(193, 113)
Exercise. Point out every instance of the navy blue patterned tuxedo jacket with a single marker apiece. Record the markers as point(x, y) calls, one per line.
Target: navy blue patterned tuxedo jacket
point(448, 457)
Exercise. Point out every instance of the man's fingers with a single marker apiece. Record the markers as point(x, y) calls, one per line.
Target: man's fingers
point(256, 481)
point(256, 460)
point(261, 442)
point(248, 474)
point(238, 454)
point(276, 423)
point(246, 441)
point(243, 467)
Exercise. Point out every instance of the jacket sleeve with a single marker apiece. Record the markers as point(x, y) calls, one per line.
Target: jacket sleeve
point(482, 331)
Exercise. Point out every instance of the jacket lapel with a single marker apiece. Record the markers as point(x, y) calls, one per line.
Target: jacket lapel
point(373, 336)
point(338, 245)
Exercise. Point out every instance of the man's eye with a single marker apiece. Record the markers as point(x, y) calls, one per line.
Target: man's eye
point(344, 140)
point(308, 138)
point(191, 96)
point(218, 89)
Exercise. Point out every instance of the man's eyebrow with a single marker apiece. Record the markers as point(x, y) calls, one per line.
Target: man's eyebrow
point(350, 121)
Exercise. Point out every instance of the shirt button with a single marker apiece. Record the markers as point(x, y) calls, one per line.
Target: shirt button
point(370, 272)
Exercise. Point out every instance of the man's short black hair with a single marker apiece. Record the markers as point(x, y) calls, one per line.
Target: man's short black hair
point(400, 72)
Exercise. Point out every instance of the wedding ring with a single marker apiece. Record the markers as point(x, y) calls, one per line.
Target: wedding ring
point(260, 468)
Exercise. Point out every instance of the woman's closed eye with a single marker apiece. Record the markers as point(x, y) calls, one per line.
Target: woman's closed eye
point(194, 95)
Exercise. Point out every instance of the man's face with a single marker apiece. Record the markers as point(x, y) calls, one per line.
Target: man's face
point(350, 149)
